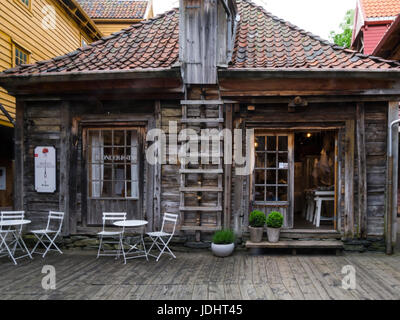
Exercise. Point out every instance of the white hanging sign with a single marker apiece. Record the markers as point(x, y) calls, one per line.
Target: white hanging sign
point(45, 169)
point(3, 178)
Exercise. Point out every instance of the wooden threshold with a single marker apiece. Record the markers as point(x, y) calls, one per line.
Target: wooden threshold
point(297, 244)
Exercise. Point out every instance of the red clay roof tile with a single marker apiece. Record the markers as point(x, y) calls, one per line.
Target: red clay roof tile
point(380, 8)
point(262, 41)
point(114, 9)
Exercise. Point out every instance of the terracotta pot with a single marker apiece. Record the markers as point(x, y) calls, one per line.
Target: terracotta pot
point(256, 234)
point(273, 234)
point(222, 250)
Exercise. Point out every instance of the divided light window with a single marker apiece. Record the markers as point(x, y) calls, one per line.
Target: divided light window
point(113, 163)
point(21, 56)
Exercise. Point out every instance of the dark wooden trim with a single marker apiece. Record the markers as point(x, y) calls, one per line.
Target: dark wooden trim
point(362, 172)
point(349, 180)
point(19, 151)
point(228, 173)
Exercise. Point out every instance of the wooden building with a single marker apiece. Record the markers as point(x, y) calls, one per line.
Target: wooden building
point(31, 31)
point(312, 116)
point(114, 15)
point(372, 19)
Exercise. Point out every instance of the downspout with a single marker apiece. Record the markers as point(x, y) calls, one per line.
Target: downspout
point(389, 221)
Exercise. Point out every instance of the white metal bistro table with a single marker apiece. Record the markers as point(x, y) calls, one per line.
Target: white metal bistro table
point(134, 250)
point(17, 236)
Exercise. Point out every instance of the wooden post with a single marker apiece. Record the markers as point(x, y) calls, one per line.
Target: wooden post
point(392, 174)
point(228, 174)
point(65, 166)
point(349, 181)
point(19, 156)
point(362, 172)
point(157, 173)
point(73, 178)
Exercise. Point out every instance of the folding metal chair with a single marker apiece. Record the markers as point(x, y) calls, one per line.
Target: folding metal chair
point(50, 234)
point(15, 231)
point(157, 236)
point(115, 236)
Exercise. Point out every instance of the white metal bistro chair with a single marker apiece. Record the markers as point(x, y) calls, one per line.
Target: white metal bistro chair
point(158, 236)
point(9, 248)
point(50, 234)
point(115, 237)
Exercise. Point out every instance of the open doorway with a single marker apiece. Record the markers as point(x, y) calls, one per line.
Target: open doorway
point(315, 171)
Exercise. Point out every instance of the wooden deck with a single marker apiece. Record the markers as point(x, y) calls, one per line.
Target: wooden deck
point(199, 275)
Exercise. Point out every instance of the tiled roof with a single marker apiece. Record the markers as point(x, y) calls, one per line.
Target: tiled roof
point(114, 9)
point(262, 41)
point(380, 8)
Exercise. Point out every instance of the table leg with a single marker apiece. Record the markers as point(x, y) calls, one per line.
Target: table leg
point(3, 240)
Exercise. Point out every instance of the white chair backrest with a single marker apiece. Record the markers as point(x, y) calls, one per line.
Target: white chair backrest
point(12, 215)
point(169, 218)
point(57, 218)
point(113, 217)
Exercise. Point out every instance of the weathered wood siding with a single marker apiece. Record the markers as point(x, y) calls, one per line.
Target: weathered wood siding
point(111, 27)
point(22, 26)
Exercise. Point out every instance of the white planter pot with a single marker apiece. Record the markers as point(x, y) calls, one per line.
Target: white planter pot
point(273, 234)
point(222, 250)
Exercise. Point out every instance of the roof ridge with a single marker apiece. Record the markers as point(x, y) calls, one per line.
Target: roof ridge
point(318, 38)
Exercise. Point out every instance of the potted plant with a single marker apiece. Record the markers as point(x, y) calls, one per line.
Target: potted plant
point(274, 225)
point(223, 243)
point(256, 225)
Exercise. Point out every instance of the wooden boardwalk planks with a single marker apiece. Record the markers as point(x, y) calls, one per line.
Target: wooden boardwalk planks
point(199, 275)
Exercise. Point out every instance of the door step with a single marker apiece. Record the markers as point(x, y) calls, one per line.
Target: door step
point(298, 244)
point(317, 234)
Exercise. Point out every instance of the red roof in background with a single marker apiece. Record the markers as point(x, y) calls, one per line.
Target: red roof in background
point(380, 8)
point(262, 41)
point(114, 9)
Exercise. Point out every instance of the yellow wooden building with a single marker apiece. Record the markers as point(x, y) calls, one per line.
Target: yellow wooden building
point(30, 31)
point(113, 15)
point(34, 30)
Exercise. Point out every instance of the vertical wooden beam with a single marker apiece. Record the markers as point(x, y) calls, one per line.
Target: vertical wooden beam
point(64, 169)
point(349, 180)
point(392, 178)
point(73, 178)
point(19, 152)
point(362, 172)
point(157, 173)
point(228, 174)
point(150, 179)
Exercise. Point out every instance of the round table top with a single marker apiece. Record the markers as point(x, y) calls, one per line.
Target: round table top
point(131, 223)
point(8, 223)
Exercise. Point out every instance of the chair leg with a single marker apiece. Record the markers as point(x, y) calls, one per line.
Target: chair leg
point(7, 248)
point(101, 242)
point(122, 248)
point(51, 244)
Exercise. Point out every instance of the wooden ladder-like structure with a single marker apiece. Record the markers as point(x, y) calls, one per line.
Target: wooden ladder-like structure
point(202, 114)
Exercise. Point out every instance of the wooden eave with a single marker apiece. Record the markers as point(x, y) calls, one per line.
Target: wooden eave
point(73, 8)
point(389, 46)
point(305, 82)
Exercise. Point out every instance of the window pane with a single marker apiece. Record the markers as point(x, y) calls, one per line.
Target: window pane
point(260, 159)
point(271, 177)
point(259, 196)
point(282, 194)
point(260, 177)
point(107, 137)
point(283, 176)
point(107, 172)
point(119, 155)
point(260, 143)
point(107, 189)
point(271, 143)
point(119, 138)
point(271, 160)
point(271, 193)
point(283, 143)
point(108, 156)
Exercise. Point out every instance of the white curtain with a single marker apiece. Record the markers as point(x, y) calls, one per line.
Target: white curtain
point(97, 165)
point(134, 166)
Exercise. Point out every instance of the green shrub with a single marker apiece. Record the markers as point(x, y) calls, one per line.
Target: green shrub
point(257, 219)
point(275, 220)
point(224, 237)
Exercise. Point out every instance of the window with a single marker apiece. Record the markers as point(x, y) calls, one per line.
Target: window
point(113, 163)
point(20, 56)
point(26, 2)
point(84, 41)
point(272, 168)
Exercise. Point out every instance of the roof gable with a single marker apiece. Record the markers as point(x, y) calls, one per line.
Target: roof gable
point(115, 9)
point(262, 41)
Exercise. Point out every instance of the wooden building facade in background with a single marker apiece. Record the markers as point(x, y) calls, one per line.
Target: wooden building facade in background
point(98, 107)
